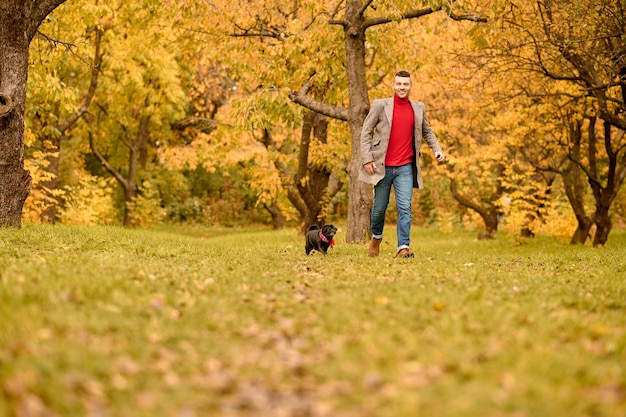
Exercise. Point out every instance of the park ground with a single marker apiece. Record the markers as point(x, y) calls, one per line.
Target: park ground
point(193, 322)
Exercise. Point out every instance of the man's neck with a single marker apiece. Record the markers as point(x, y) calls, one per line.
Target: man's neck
point(400, 100)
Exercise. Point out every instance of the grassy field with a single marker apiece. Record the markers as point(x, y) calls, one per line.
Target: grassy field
point(192, 322)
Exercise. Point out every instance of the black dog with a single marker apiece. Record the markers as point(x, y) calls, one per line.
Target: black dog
point(320, 239)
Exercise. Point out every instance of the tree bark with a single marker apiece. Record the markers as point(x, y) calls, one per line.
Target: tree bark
point(603, 225)
point(574, 186)
point(20, 21)
point(360, 195)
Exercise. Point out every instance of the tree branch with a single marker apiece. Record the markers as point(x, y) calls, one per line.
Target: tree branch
point(93, 84)
point(470, 17)
point(40, 9)
point(417, 13)
point(292, 194)
point(332, 20)
point(466, 202)
point(110, 169)
point(365, 6)
point(408, 15)
point(300, 97)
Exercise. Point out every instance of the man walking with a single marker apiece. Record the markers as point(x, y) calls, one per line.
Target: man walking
point(390, 143)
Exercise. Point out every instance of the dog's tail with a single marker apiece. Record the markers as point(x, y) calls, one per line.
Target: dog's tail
point(314, 227)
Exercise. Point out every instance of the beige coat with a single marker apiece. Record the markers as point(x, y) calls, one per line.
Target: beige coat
point(375, 139)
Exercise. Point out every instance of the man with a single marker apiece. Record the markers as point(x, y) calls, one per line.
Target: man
point(390, 143)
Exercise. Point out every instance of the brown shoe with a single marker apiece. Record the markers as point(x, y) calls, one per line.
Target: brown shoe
point(374, 249)
point(405, 253)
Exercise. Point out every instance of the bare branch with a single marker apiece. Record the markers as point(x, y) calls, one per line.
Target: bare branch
point(300, 97)
point(408, 15)
point(285, 176)
point(56, 42)
point(417, 13)
point(110, 169)
point(365, 6)
point(335, 11)
point(91, 92)
point(470, 17)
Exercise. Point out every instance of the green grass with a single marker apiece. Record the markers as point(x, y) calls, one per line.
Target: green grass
point(189, 322)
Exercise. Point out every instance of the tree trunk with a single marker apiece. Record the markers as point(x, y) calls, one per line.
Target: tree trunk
point(278, 220)
point(306, 187)
point(604, 198)
point(137, 147)
point(603, 226)
point(604, 195)
point(581, 233)
point(130, 193)
point(574, 186)
point(360, 194)
point(316, 192)
point(20, 21)
point(15, 181)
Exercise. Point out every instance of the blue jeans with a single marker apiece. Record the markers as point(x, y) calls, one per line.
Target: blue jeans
point(402, 180)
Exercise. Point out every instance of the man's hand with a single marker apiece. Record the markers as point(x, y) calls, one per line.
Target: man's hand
point(370, 167)
point(440, 157)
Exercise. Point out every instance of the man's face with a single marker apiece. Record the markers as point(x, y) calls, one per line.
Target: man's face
point(402, 86)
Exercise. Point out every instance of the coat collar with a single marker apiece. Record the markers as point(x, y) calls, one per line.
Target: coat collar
point(388, 106)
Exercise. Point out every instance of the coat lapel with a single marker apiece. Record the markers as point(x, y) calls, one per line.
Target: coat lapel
point(417, 130)
point(389, 109)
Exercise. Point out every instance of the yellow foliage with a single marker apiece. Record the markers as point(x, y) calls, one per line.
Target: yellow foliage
point(40, 196)
point(90, 202)
point(146, 207)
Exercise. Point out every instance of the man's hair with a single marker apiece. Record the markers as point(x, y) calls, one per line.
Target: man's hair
point(404, 74)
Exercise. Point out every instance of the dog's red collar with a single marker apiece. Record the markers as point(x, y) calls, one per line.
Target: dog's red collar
point(325, 240)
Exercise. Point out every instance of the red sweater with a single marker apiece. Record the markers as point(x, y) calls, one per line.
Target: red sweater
point(400, 149)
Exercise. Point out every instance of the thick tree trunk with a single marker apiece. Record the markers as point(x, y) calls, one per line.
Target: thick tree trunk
point(15, 181)
point(581, 233)
point(360, 195)
point(575, 187)
point(129, 195)
point(130, 185)
point(604, 195)
point(603, 226)
point(19, 22)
